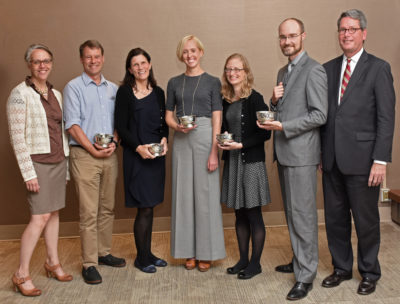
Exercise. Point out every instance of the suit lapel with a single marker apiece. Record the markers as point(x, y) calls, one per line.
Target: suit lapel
point(294, 74)
point(355, 76)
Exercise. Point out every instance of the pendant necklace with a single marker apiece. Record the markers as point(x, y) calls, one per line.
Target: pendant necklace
point(194, 93)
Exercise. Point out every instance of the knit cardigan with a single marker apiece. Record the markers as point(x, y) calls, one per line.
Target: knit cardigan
point(27, 124)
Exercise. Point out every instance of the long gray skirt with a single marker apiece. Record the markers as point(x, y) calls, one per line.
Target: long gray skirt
point(196, 221)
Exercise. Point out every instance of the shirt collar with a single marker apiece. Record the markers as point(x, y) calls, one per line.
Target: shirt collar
point(356, 57)
point(296, 59)
point(87, 80)
point(28, 82)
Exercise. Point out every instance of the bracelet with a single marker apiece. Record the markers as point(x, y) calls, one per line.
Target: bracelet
point(116, 144)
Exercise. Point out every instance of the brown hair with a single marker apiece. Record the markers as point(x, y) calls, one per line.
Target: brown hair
point(92, 44)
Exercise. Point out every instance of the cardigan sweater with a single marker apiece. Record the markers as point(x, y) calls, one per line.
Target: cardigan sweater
point(125, 112)
point(253, 137)
point(27, 124)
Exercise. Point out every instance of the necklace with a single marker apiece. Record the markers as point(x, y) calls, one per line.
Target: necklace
point(194, 93)
point(42, 92)
point(144, 92)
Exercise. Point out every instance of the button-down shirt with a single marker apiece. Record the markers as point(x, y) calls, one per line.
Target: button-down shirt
point(90, 106)
point(353, 64)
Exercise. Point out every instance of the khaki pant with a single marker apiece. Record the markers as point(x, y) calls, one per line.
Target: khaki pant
point(95, 180)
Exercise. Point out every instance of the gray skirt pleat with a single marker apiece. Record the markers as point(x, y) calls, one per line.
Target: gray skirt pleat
point(196, 220)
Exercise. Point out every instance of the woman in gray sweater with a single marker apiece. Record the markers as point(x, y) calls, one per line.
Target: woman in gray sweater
point(196, 232)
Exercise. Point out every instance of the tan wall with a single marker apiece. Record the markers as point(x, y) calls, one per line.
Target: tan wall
point(224, 26)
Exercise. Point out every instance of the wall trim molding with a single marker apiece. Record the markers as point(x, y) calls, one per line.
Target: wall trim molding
point(162, 224)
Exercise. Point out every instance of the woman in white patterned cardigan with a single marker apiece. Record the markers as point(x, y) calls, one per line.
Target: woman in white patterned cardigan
point(34, 112)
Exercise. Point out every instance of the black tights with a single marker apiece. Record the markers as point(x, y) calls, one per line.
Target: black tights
point(142, 229)
point(249, 222)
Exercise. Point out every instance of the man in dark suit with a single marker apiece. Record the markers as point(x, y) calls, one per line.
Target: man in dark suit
point(356, 145)
point(301, 104)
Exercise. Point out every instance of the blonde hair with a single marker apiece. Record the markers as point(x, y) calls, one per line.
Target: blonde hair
point(181, 45)
point(227, 89)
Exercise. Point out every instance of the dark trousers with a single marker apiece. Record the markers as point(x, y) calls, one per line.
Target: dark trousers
point(347, 195)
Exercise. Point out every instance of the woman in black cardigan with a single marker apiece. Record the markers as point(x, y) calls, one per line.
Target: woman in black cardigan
point(244, 183)
point(139, 121)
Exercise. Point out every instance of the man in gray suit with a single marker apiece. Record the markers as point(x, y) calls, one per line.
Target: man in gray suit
point(301, 104)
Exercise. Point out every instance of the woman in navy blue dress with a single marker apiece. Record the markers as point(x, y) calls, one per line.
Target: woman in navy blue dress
point(139, 121)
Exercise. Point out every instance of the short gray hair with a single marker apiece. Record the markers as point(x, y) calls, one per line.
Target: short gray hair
point(354, 14)
point(36, 46)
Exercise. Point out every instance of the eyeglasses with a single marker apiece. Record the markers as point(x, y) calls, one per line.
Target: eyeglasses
point(39, 62)
point(290, 37)
point(350, 30)
point(234, 70)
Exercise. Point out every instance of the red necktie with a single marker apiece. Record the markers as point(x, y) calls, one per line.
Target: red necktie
point(346, 78)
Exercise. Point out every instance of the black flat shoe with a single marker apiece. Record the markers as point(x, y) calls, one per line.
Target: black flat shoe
point(336, 278)
point(245, 275)
point(288, 268)
point(367, 286)
point(159, 262)
point(147, 269)
point(299, 291)
point(236, 268)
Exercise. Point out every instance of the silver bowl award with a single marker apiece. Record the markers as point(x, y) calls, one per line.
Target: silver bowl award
point(187, 121)
point(224, 138)
point(103, 139)
point(264, 116)
point(156, 149)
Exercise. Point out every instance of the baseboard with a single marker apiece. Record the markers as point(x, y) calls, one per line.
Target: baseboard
point(162, 224)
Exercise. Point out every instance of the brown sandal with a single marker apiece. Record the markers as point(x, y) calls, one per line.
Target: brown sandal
point(50, 270)
point(204, 265)
point(17, 282)
point(190, 263)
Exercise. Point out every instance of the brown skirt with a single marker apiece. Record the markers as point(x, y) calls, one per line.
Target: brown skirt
point(52, 181)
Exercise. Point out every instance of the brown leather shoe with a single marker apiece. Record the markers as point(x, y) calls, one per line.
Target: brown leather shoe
point(51, 273)
point(204, 265)
point(17, 282)
point(190, 263)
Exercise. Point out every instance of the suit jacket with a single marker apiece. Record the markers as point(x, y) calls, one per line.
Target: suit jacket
point(360, 129)
point(302, 110)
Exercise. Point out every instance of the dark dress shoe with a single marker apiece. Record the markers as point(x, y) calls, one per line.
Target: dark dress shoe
point(91, 275)
point(288, 268)
point(246, 274)
point(336, 278)
point(147, 269)
point(159, 262)
point(112, 261)
point(299, 291)
point(367, 286)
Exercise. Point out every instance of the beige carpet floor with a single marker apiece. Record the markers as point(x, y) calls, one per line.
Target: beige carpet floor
point(174, 284)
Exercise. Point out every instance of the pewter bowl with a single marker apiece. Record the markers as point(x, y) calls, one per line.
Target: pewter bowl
point(187, 121)
point(156, 149)
point(264, 116)
point(103, 139)
point(224, 138)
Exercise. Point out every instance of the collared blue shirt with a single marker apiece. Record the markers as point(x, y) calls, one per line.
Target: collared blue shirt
point(90, 106)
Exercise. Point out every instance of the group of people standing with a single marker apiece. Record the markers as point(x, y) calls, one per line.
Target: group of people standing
point(347, 116)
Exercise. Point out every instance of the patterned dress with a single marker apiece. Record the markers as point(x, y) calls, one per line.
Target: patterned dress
point(244, 185)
